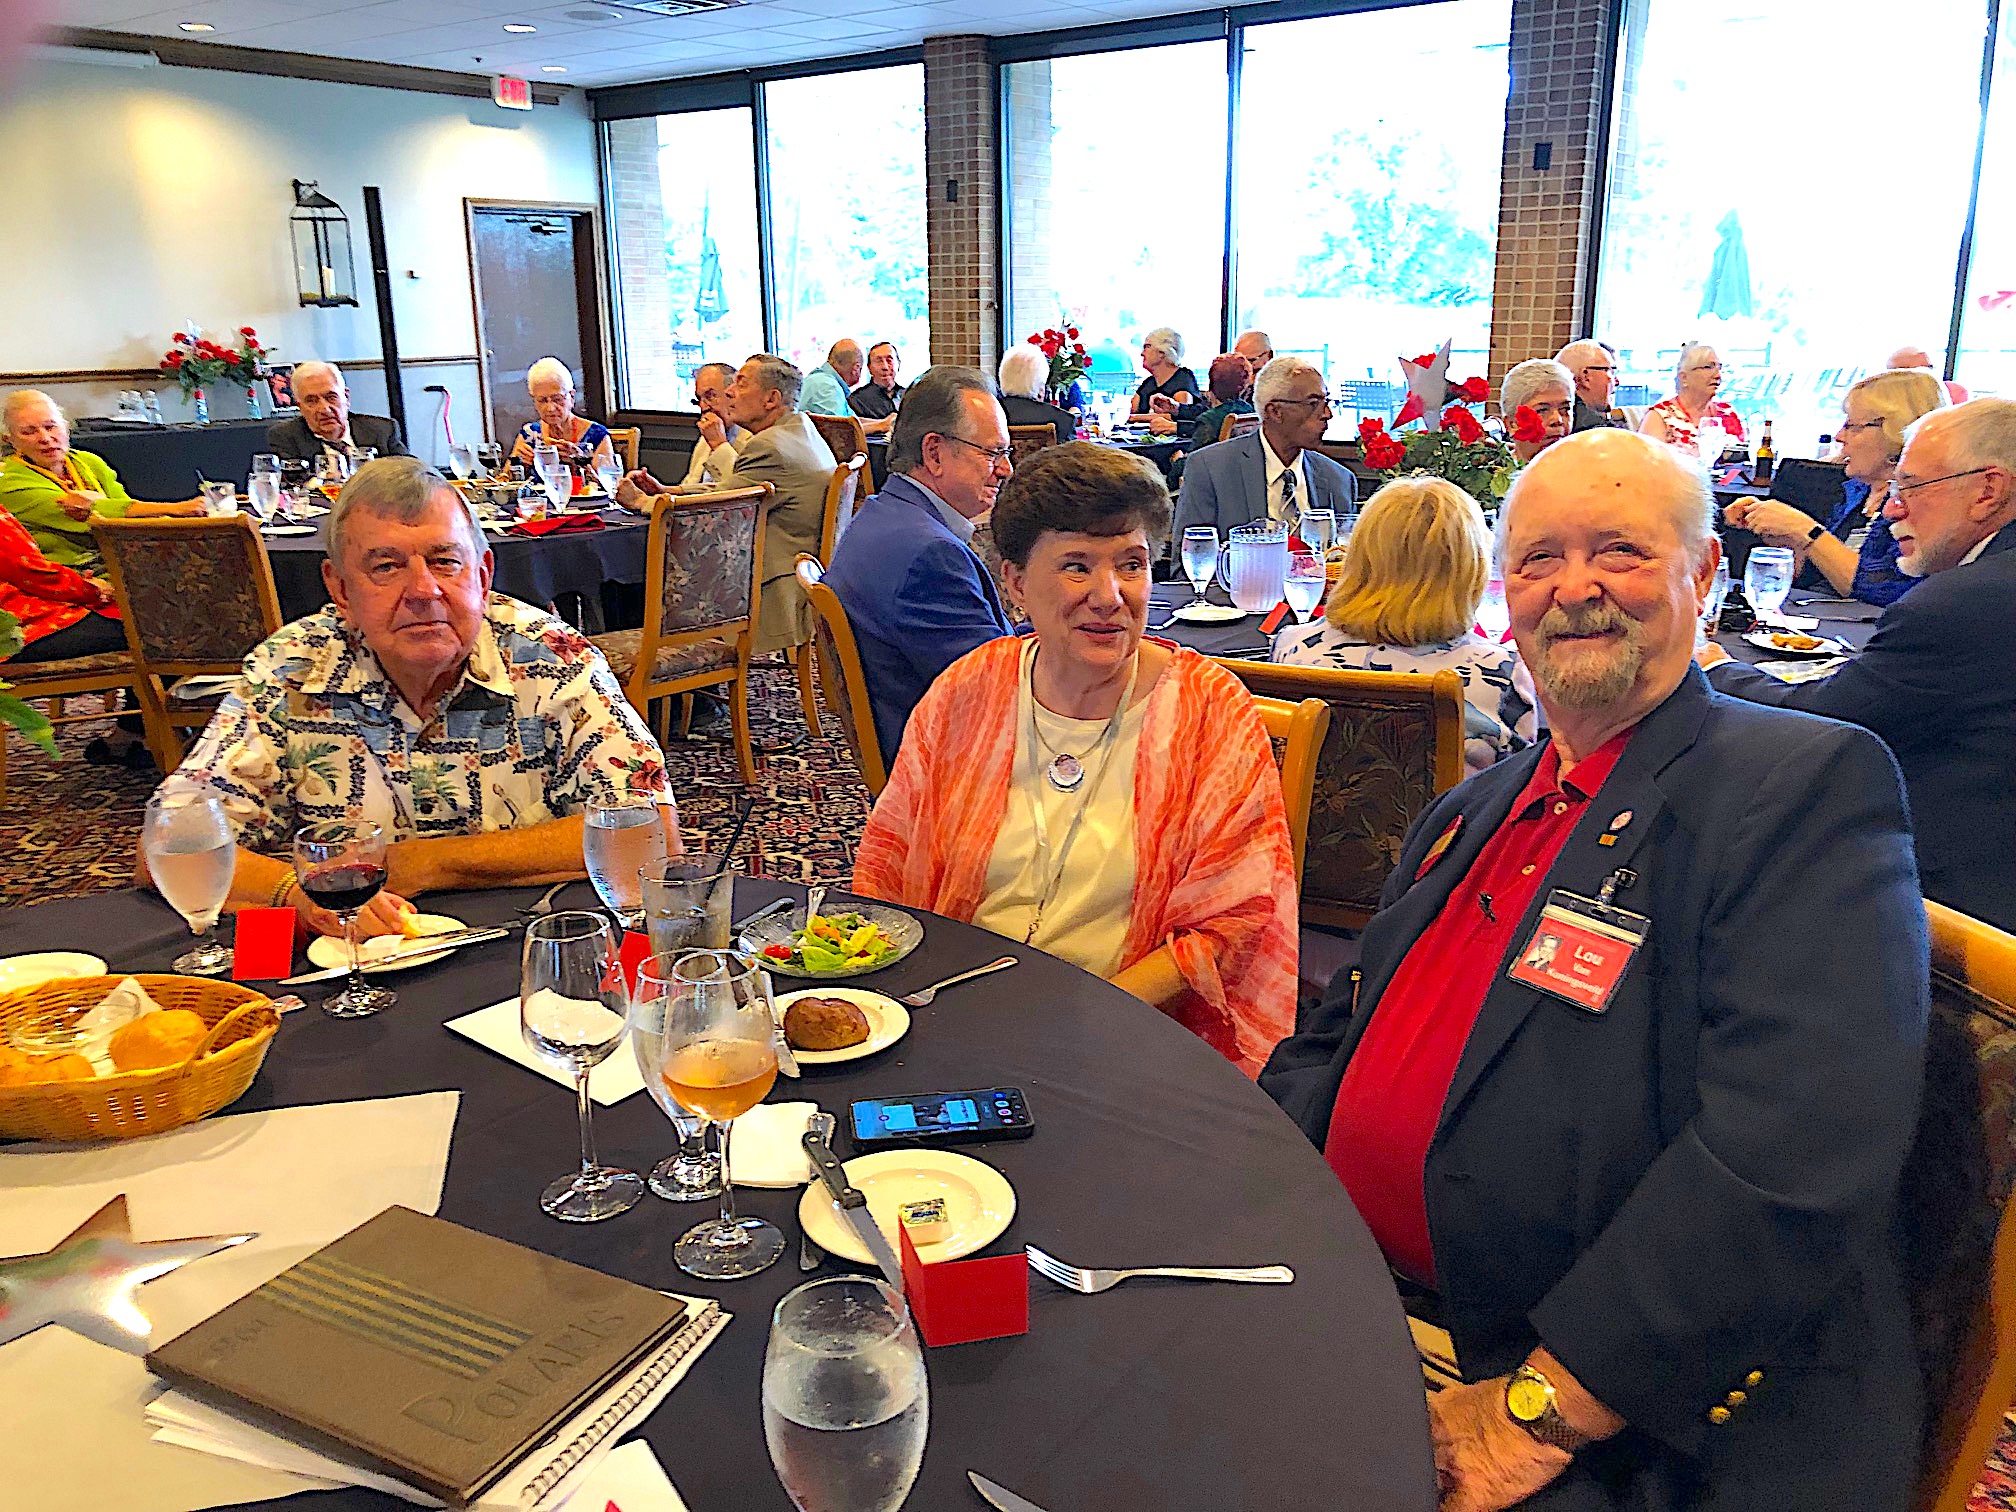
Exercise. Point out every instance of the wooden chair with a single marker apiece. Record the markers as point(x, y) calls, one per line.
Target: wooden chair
point(1239, 425)
point(1395, 740)
point(841, 679)
point(1957, 1217)
point(705, 556)
point(1024, 441)
point(843, 434)
point(1298, 729)
point(195, 596)
point(841, 496)
point(629, 442)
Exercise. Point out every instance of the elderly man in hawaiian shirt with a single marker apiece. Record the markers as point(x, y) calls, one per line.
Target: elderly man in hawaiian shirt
point(474, 728)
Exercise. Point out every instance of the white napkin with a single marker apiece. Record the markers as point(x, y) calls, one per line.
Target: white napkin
point(120, 1007)
point(766, 1151)
point(496, 1028)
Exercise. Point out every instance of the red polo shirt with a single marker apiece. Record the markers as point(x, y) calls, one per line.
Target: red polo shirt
point(1398, 1079)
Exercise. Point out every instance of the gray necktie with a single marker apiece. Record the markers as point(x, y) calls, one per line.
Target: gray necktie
point(1291, 513)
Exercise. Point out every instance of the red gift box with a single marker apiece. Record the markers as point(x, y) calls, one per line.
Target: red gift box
point(262, 944)
point(963, 1301)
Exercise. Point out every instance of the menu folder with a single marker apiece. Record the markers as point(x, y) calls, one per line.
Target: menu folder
point(437, 1355)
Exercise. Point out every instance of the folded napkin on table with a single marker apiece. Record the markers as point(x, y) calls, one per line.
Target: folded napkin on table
point(766, 1151)
point(557, 525)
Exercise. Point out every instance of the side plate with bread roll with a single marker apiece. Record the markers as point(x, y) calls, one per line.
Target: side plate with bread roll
point(827, 1025)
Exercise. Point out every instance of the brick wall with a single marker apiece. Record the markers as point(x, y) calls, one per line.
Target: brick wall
point(649, 378)
point(961, 145)
point(1546, 216)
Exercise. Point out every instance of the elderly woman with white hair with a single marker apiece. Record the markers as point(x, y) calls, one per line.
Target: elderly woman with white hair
point(1021, 378)
point(1170, 388)
point(1693, 408)
point(583, 444)
point(1537, 403)
point(56, 490)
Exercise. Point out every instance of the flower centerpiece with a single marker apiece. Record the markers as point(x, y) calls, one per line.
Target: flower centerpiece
point(1067, 358)
point(1458, 448)
point(248, 366)
point(25, 717)
point(196, 362)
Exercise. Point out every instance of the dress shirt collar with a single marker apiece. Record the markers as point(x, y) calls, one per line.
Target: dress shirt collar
point(1979, 547)
point(1276, 467)
point(343, 666)
point(1584, 780)
point(954, 521)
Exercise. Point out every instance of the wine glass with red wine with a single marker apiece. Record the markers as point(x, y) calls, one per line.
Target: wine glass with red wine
point(342, 868)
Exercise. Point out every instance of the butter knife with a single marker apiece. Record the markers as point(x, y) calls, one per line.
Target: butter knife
point(1000, 1496)
point(426, 945)
point(809, 1254)
point(853, 1207)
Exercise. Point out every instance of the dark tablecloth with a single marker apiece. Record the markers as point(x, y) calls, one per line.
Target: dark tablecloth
point(1154, 1397)
point(536, 569)
point(162, 462)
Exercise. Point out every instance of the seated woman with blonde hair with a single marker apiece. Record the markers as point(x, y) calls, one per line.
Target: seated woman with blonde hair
point(1406, 601)
point(1107, 798)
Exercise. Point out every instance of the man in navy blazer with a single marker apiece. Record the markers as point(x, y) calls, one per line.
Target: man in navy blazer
point(917, 595)
point(1274, 472)
point(1938, 679)
point(1659, 1222)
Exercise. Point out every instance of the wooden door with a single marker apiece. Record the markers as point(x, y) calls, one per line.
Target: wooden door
point(535, 275)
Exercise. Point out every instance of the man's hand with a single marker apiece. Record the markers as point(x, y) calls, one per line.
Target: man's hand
point(1708, 654)
point(712, 431)
point(1161, 425)
point(382, 915)
point(1159, 404)
point(1776, 523)
point(636, 487)
point(1483, 1460)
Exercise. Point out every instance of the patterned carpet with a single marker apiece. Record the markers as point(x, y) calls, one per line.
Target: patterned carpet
point(67, 827)
point(1996, 1490)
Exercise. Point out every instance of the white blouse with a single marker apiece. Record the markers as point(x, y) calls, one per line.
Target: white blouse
point(1086, 920)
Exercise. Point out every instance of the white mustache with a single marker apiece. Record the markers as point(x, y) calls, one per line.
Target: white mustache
point(1596, 620)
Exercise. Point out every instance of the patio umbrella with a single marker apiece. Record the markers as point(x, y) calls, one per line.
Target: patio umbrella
point(710, 303)
point(1726, 293)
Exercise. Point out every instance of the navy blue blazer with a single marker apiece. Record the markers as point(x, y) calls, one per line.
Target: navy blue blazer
point(917, 597)
point(1225, 484)
point(1697, 1184)
point(1938, 682)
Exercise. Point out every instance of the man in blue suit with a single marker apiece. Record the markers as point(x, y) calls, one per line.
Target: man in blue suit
point(917, 595)
point(1274, 473)
point(1938, 679)
point(1650, 1173)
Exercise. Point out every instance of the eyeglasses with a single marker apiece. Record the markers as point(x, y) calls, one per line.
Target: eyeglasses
point(1706, 367)
point(1854, 425)
point(1322, 399)
point(1594, 369)
point(1899, 488)
point(993, 454)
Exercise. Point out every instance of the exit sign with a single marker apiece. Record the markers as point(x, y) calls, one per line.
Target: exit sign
point(510, 93)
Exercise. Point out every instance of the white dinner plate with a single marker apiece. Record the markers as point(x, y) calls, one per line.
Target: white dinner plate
point(979, 1202)
point(329, 950)
point(888, 1022)
point(1828, 646)
point(287, 530)
point(1208, 614)
point(47, 966)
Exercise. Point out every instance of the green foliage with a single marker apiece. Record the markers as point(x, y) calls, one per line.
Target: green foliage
point(29, 720)
point(1401, 235)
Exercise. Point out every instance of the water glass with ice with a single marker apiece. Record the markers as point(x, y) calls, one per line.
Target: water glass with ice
point(619, 841)
point(1200, 557)
point(1767, 578)
point(686, 903)
point(1303, 586)
point(191, 855)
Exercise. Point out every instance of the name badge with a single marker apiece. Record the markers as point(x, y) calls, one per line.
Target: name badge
point(1580, 950)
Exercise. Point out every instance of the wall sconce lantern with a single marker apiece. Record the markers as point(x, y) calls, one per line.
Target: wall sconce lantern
point(324, 271)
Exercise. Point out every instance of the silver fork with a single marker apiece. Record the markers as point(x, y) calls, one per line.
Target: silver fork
point(1078, 1279)
point(544, 903)
point(921, 998)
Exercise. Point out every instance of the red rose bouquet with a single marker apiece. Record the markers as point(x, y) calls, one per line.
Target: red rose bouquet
point(1527, 424)
point(1458, 449)
point(249, 361)
point(196, 362)
point(1066, 353)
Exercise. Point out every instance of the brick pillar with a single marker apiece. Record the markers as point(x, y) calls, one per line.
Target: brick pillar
point(649, 375)
point(1546, 216)
point(961, 146)
point(1032, 294)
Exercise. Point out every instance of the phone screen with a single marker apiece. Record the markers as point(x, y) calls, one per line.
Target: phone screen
point(935, 1115)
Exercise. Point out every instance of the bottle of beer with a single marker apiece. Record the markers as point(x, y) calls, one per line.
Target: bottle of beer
point(1767, 456)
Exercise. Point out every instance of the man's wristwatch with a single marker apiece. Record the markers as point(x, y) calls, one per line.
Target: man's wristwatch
point(1529, 1402)
point(1815, 533)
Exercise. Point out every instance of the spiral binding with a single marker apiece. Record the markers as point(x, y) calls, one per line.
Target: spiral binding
point(583, 1443)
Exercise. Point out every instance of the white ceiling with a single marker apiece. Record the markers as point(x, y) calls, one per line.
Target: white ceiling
point(614, 46)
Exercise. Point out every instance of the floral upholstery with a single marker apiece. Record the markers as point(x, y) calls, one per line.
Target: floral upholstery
point(843, 434)
point(620, 647)
point(985, 549)
point(1024, 441)
point(192, 594)
point(833, 685)
point(710, 552)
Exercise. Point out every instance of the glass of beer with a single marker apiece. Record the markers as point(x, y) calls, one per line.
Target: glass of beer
point(718, 1059)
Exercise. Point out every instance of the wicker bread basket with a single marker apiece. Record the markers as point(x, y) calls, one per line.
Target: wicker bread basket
point(242, 1024)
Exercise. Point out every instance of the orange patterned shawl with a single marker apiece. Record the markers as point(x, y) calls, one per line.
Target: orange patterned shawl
point(1214, 875)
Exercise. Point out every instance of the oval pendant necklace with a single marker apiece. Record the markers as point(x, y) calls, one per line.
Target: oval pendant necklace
point(1065, 772)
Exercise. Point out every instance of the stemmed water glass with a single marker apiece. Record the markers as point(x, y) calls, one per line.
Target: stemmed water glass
point(341, 866)
point(691, 1173)
point(553, 473)
point(1494, 615)
point(262, 486)
point(608, 473)
point(1200, 557)
point(1767, 578)
point(719, 1059)
point(846, 1401)
point(1318, 529)
point(622, 839)
point(191, 854)
point(571, 1008)
point(1303, 585)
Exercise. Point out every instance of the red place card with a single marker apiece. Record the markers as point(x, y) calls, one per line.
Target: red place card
point(636, 951)
point(962, 1301)
point(1274, 617)
point(262, 944)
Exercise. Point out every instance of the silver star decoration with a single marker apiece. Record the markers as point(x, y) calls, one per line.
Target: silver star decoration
point(87, 1282)
point(1427, 385)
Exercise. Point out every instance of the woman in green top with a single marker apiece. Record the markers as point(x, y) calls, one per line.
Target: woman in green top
point(55, 491)
point(1231, 386)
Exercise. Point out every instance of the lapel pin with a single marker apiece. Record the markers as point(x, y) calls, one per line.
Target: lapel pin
point(1621, 820)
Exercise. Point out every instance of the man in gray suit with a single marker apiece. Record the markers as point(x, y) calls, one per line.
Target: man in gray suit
point(1273, 473)
point(783, 450)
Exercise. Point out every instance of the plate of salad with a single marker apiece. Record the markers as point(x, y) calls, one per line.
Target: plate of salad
point(841, 942)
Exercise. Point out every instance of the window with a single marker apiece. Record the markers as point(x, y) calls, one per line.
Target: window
point(1368, 215)
point(847, 246)
point(1987, 357)
point(1785, 186)
point(682, 196)
point(1116, 214)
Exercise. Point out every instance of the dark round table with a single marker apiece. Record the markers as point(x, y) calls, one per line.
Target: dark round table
point(1157, 1396)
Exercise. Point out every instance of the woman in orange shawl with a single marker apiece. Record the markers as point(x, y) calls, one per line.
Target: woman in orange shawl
point(1110, 799)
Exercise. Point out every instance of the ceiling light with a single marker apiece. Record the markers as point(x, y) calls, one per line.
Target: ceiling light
point(553, 68)
point(520, 28)
point(197, 26)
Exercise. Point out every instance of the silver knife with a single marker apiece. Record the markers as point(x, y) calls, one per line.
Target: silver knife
point(809, 1254)
point(426, 945)
point(1000, 1496)
point(853, 1207)
point(759, 915)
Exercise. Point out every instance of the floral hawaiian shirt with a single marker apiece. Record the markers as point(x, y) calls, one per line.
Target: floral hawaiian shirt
point(537, 729)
